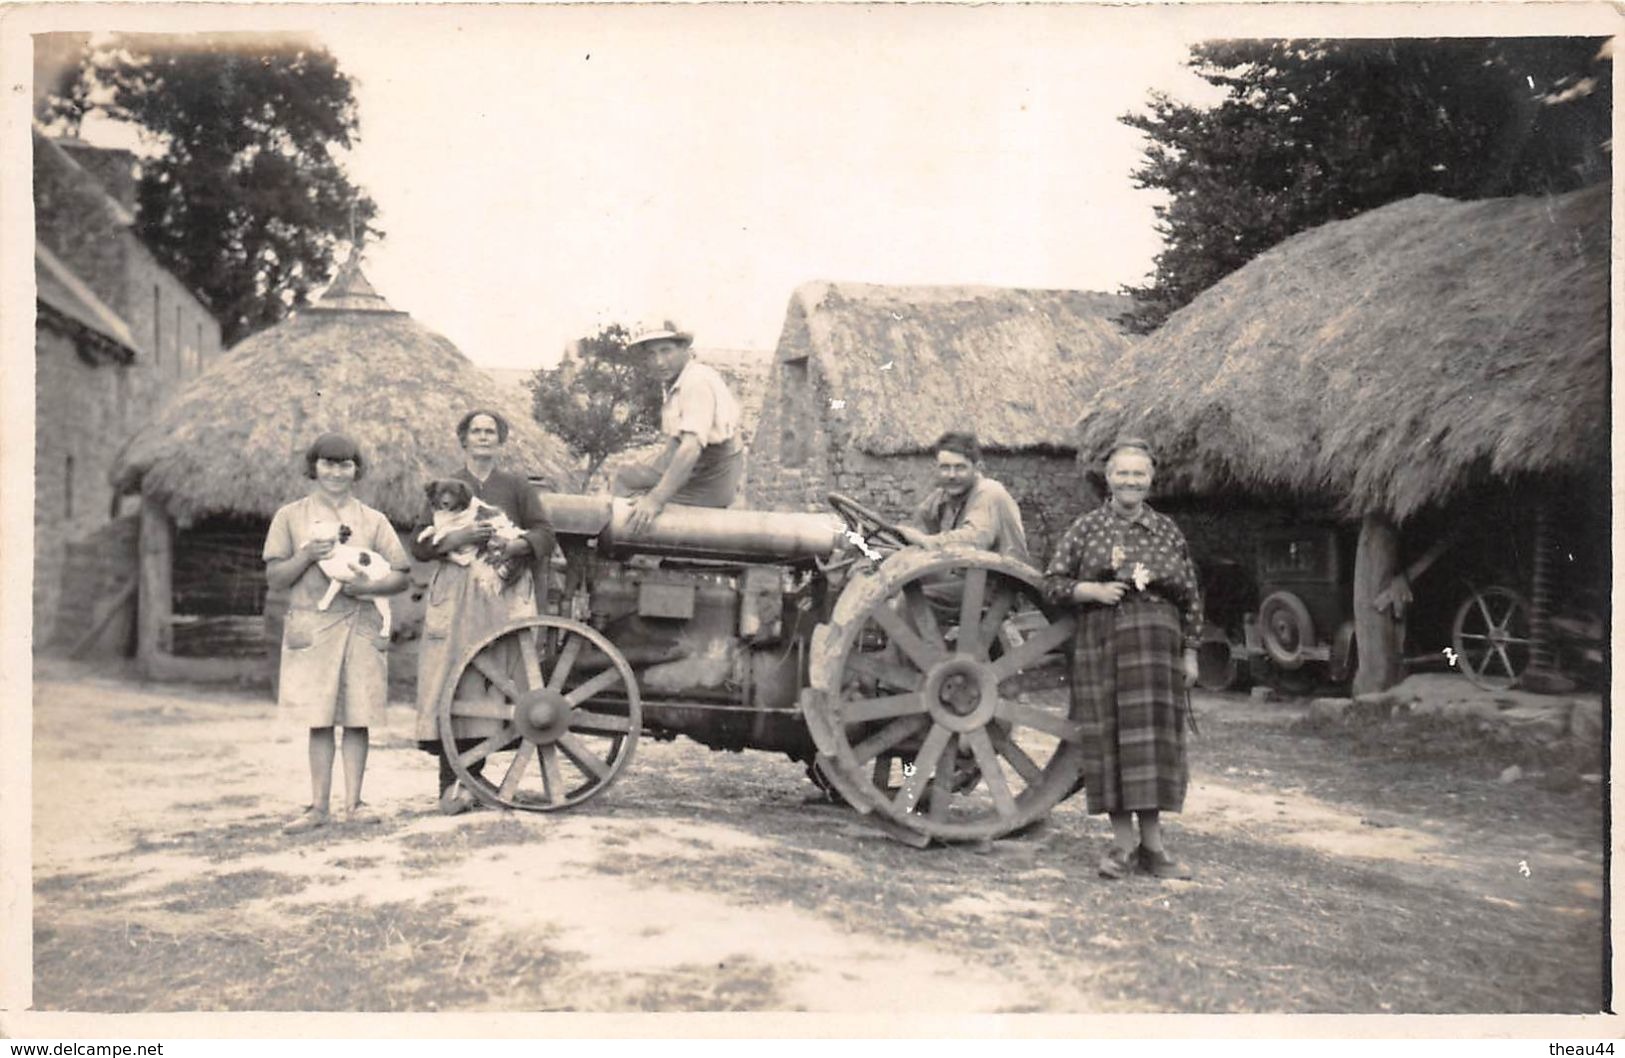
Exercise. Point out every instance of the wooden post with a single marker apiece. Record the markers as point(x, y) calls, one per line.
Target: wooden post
point(155, 598)
point(1376, 632)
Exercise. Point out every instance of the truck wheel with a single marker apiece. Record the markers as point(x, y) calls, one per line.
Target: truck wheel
point(912, 696)
point(1286, 628)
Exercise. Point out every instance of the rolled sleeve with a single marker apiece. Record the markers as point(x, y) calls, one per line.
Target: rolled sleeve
point(979, 527)
point(691, 409)
point(279, 538)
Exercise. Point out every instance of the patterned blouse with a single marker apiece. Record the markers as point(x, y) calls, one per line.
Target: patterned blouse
point(1147, 552)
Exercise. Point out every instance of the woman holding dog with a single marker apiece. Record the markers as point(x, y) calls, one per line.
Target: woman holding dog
point(1127, 571)
point(335, 662)
point(459, 609)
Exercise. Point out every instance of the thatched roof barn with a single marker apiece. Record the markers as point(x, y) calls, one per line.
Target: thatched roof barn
point(1411, 365)
point(228, 450)
point(867, 378)
point(234, 440)
point(1386, 362)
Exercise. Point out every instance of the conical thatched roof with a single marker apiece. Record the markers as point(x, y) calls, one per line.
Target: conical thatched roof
point(1386, 361)
point(233, 439)
point(912, 362)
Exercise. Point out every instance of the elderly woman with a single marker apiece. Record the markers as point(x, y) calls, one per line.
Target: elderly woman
point(1128, 571)
point(460, 609)
point(335, 660)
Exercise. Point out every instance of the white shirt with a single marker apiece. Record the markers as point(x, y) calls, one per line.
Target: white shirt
point(699, 403)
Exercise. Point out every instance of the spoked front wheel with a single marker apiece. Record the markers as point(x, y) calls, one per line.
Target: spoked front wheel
point(558, 710)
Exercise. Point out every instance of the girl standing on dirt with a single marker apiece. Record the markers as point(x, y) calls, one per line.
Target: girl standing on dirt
point(1128, 571)
point(460, 611)
point(335, 662)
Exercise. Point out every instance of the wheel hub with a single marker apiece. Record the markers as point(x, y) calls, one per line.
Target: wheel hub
point(542, 716)
point(960, 694)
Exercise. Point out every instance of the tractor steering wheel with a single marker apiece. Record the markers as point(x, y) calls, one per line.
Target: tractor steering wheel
point(861, 519)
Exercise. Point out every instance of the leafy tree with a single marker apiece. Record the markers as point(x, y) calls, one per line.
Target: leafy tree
point(243, 200)
point(1314, 130)
point(601, 399)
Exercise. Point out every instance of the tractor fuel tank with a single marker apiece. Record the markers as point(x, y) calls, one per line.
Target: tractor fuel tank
point(730, 534)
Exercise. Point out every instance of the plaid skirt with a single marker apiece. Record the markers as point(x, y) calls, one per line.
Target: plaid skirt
point(1128, 698)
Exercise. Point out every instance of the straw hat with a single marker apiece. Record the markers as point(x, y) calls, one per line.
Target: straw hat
point(667, 330)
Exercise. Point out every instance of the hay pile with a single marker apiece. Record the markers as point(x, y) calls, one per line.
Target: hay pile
point(1389, 360)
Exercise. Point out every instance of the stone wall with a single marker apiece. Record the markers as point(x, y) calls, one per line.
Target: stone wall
point(83, 413)
point(803, 450)
point(91, 571)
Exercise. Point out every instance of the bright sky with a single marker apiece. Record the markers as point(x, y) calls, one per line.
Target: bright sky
point(544, 171)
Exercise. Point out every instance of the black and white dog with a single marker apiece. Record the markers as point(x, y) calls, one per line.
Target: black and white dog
point(349, 563)
point(455, 508)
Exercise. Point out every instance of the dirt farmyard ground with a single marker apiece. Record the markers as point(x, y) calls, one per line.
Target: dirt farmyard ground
point(1333, 875)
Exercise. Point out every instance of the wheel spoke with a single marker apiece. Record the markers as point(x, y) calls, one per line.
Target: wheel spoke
point(1049, 723)
point(925, 766)
point(1037, 645)
point(1469, 635)
point(925, 618)
point(498, 679)
point(1025, 766)
point(583, 757)
point(970, 613)
point(1484, 608)
point(516, 771)
point(884, 673)
point(1506, 662)
point(552, 780)
point(992, 774)
point(918, 651)
point(481, 709)
point(565, 662)
point(487, 746)
point(893, 733)
point(532, 666)
point(1003, 600)
point(942, 784)
point(604, 680)
point(857, 710)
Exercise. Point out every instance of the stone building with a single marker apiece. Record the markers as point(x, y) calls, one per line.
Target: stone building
point(866, 378)
point(116, 334)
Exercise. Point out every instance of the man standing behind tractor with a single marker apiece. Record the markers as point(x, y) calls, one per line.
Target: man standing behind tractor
point(702, 462)
point(966, 507)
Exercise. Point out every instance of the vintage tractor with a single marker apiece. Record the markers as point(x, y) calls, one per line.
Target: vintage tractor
point(893, 674)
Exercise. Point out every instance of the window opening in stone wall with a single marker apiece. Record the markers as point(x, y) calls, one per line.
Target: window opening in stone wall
point(796, 429)
point(67, 488)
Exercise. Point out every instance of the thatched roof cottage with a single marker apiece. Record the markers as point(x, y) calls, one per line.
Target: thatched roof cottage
point(1399, 365)
point(228, 451)
point(866, 378)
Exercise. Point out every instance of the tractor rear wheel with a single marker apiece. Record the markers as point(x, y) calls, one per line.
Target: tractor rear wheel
point(915, 696)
